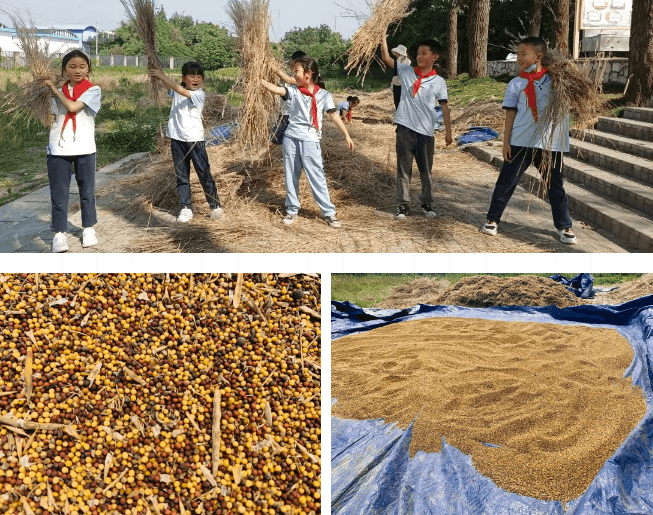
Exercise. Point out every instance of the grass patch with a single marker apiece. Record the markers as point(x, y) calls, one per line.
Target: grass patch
point(463, 90)
point(366, 290)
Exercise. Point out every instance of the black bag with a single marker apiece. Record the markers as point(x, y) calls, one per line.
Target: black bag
point(279, 130)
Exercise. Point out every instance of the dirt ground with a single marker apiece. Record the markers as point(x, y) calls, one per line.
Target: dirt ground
point(486, 290)
point(361, 185)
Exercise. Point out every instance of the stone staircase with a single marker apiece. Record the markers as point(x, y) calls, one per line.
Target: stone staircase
point(609, 176)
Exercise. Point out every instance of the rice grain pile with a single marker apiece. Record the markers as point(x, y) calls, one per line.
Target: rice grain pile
point(142, 13)
point(252, 22)
point(367, 38)
point(551, 397)
point(420, 291)
point(33, 98)
point(484, 291)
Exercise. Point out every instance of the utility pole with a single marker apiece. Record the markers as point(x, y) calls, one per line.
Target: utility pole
point(97, 57)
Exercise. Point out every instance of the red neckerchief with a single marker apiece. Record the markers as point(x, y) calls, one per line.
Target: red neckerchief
point(421, 76)
point(313, 103)
point(530, 89)
point(349, 113)
point(78, 91)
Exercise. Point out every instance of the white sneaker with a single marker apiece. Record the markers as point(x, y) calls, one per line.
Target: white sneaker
point(490, 228)
point(185, 216)
point(59, 243)
point(89, 238)
point(215, 213)
point(289, 218)
point(567, 236)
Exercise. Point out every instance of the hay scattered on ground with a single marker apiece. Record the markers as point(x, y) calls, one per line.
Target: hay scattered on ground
point(484, 291)
point(252, 21)
point(629, 291)
point(142, 12)
point(420, 291)
point(367, 38)
point(551, 398)
point(33, 98)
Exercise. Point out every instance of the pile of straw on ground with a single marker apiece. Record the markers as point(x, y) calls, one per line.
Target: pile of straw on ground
point(33, 98)
point(629, 291)
point(420, 291)
point(142, 13)
point(367, 38)
point(252, 21)
point(484, 291)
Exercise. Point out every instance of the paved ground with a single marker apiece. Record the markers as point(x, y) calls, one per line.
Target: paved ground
point(462, 195)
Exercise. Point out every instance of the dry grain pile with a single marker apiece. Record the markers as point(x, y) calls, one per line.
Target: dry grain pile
point(120, 413)
point(420, 291)
point(632, 290)
point(484, 291)
point(551, 396)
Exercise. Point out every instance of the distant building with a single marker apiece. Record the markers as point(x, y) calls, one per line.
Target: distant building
point(59, 40)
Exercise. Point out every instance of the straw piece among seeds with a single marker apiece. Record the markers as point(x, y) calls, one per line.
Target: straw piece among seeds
point(366, 39)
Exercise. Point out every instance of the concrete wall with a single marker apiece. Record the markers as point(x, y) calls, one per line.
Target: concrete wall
point(615, 70)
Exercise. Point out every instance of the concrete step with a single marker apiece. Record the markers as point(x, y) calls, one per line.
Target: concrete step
point(611, 216)
point(633, 195)
point(612, 160)
point(624, 127)
point(643, 114)
point(611, 141)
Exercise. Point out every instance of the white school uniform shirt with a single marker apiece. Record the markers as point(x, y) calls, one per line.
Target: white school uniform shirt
point(525, 131)
point(82, 141)
point(185, 122)
point(418, 112)
point(343, 106)
point(300, 122)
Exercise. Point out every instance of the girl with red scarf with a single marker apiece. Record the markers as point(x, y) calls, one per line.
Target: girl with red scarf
point(72, 147)
point(525, 140)
point(347, 108)
point(307, 101)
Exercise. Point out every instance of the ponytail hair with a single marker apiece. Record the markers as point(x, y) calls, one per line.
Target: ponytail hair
point(352, 99)
point(310, 65)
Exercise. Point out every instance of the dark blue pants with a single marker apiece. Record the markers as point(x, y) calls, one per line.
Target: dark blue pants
point(511, 172)
point(60, 171)
point(183, 152)
point(413, 145)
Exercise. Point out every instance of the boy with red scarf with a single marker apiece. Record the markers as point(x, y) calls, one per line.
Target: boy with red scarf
point(72, 147)
point(416, 121)
point(525, 140)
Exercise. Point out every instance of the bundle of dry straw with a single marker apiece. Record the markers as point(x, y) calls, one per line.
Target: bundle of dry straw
point(366, 39)
point(574, 94)
point(252, 21)
point(142, 13)
point(33, 98)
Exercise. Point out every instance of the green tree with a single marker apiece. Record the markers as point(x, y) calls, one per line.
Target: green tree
point(321, 43)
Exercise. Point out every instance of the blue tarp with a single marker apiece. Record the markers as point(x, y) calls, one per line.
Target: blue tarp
point(220, 134)
point(581, 285)
point(372, 472)
point(476, 134)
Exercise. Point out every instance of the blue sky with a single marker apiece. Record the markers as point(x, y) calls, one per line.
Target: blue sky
point(106, 15)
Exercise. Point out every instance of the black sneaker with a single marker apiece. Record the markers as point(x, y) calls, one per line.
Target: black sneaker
point(402, 212)
point(428, 211)
point(333, 221)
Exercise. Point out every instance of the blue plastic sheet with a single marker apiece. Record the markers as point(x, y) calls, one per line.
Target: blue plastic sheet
point(220, 134)
point(582, 285)
point(371, 471)
point(476, 134)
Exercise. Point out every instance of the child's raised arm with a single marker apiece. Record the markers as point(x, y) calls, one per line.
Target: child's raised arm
point(277, 90)
point(336, 119)
point(285, 77)
point(385, 55)
point(169, 83)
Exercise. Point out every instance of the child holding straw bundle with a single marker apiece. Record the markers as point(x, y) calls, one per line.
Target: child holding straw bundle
point(307, 101)
point(282, 124)
point(347, 107)
point(525, 141)
point(416, 122)
point(186, 133)
point(72, 146)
